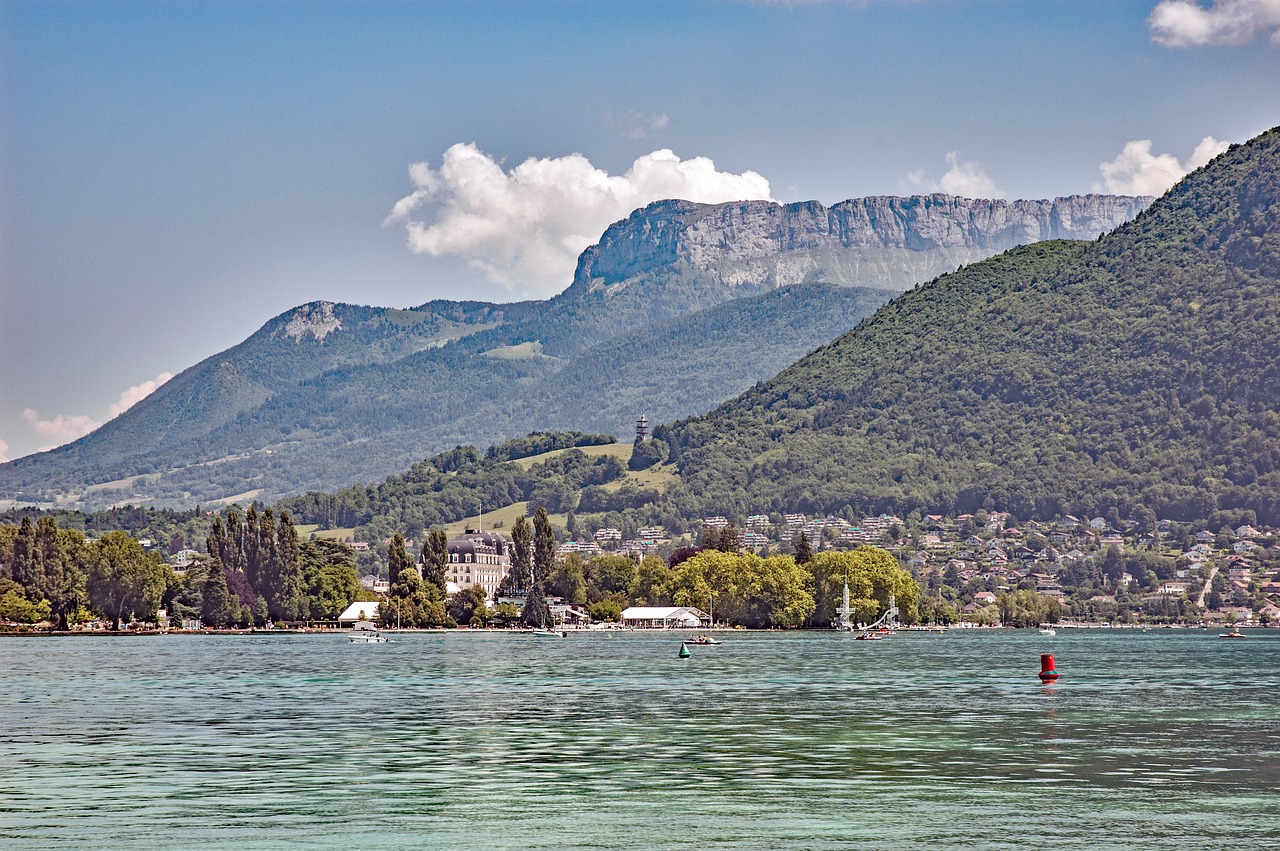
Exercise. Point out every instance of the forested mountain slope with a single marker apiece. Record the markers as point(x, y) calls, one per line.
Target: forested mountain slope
point(1140, 369)
point(679, 307)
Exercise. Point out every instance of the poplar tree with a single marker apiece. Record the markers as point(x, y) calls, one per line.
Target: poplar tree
point(26, 555)
point(287, 589)
point(521, 567)
point(253, 533)
point(435, 558)
point(544, 546)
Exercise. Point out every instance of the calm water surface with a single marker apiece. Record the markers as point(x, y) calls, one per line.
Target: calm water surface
point(1167, 739)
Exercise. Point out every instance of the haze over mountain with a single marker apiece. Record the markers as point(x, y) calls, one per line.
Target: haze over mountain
point(1140, 371)
point(678, 307)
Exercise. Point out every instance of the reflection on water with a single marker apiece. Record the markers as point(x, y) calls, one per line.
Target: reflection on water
point(1166, 739)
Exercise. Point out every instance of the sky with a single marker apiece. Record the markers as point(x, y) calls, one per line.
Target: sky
point(174, 174)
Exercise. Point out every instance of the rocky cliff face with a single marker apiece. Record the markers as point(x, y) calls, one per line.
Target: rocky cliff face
point(876, 241)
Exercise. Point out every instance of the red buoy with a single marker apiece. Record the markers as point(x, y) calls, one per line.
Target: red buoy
point(1047, 672)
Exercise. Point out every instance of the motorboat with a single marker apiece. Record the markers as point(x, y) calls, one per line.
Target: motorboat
point(365, 632)
point(702, 640)
point(1235, 633)
point(550, 633)
point(1048, 630)
point(868, 636)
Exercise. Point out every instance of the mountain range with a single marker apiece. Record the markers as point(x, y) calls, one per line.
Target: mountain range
point(677, 308)
point(1138, 372)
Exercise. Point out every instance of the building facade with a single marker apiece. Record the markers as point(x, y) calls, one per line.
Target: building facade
point(478, 558)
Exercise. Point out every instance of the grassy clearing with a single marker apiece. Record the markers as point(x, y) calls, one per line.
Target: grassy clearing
point(621, 451)
point(520, 351)
point(247, 496)
point(306, 530)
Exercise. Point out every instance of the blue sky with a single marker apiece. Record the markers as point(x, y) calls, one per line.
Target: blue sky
point(173, 174)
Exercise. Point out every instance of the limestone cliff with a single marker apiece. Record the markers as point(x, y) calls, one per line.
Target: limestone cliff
point(875, 241)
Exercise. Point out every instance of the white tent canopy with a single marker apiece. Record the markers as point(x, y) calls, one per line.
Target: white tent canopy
point(360, 611)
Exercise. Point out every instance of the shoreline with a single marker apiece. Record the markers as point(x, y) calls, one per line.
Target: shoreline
point(131, 633)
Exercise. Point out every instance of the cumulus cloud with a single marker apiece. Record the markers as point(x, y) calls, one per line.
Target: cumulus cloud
point(1137, 171)
point(61, 429)
point(1186, 23)
point(525, 227)
point(136, 394)
point(64, 428)
point(4, 452)
point(966, 179)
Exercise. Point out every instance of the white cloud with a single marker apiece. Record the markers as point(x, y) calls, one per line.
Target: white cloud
point(1137, 171)
point(638, 125)
point(136, 394)
point(524, 228)
point(63, 428)
point(966, 179)
point(1186, 23)
point(4, 452)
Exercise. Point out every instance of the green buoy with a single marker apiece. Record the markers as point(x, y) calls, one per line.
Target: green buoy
point(684, 651)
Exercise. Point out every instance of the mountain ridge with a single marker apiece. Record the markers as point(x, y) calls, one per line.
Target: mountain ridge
point(296, 404)
point(1139, 370)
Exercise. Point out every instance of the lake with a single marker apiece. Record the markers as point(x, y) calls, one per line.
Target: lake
point(1164, 739)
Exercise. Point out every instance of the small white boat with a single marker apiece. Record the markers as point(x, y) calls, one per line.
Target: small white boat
point(550, 633)
point(1235, 633)
point(1048, 630)
point(702, 641)
point(364, 632)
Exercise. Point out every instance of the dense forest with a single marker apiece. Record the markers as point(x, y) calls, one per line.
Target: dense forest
point(1141, 370)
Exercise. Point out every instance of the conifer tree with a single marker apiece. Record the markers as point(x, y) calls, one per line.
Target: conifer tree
point(804, 553)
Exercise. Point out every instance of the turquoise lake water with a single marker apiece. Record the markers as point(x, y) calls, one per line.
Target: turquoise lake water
point(1166, 739)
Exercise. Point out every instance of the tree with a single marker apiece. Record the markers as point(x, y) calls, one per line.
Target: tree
point(435, 558)
point(729, 542)
point(466, 604)
point(329, 572)
point(287, 588)
point(521, 555)
point(410, 602)
point(536, 613)
point(14, 605)
point(874, 577)
point(218, 608)
point(647, 453)
point(544, 546)
point(650, 586)
point(605, 611)
point(611, 574)
point(569, 580)
point(124, 579)
point(803, 552)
